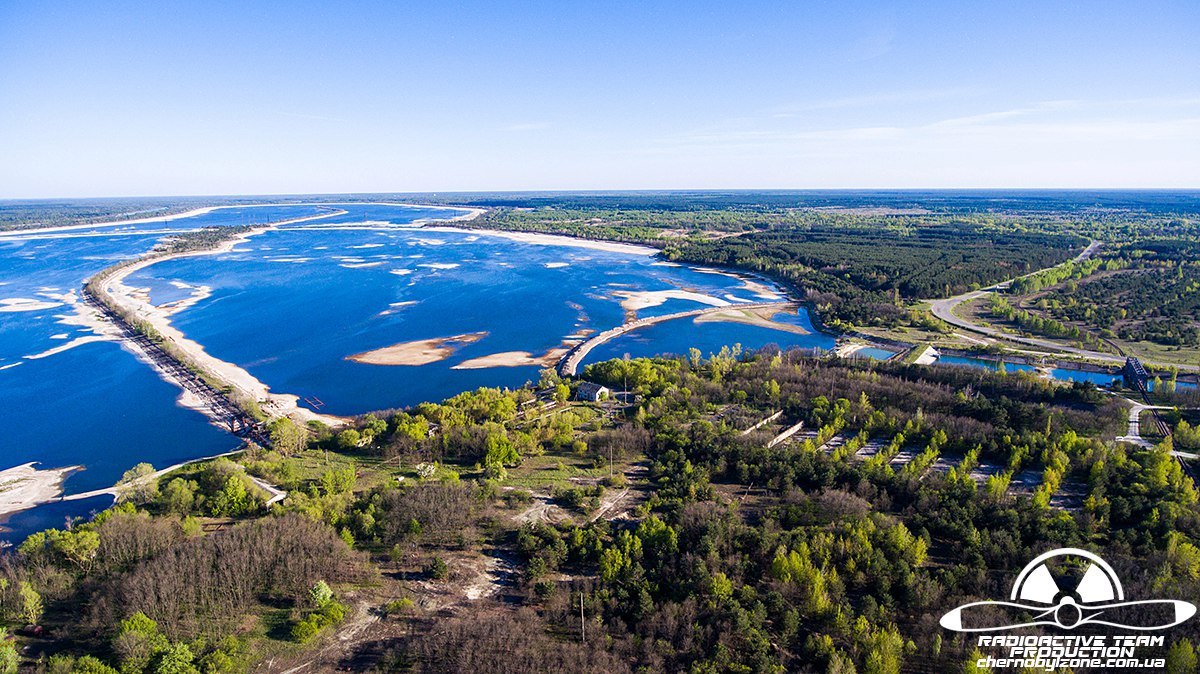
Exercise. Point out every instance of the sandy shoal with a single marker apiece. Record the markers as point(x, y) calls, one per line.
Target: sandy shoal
point(553, 240)
point(23, 487)
point(513, 359)
point(417, 352)
point(634, 300)
point(762, 317)
point(110, 223)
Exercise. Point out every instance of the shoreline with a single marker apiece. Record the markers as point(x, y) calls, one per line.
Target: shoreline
point(23, 487)
point(273, 404)
point(126, 297)
point(539, 238)
point(112, 223)
point(472, 212)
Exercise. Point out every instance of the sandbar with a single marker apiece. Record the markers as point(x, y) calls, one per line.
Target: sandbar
point(634, 300)
point(555, 240)
point(513, 359)
point(23, 487)
point(762, 317)
point(15, 304)
point(417, 352)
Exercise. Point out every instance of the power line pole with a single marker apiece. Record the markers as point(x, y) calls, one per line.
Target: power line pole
point(582, 624)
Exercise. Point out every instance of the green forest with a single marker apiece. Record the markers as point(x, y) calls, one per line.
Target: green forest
point(685, 542)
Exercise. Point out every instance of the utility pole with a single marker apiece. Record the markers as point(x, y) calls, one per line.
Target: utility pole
point(582, 624)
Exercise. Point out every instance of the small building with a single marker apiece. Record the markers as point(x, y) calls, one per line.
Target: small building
point(590, 392)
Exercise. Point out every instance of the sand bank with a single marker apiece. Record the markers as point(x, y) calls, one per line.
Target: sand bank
point(513, 359)
point(15, 304)
point(553, 240)
point(749, 284)
point(417, 352)
point(23, 487)
point(635, 300)
point(111, 223)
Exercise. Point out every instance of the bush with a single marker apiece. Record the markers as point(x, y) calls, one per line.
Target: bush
point(438, 569)
point(305, 630)
point(308, 628)
point(399, 607)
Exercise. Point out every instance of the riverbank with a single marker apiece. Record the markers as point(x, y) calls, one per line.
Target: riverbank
point(546, 239)
point(23, 487)
point(112, 223)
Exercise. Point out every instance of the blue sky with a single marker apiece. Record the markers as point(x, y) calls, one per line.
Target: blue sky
point(105, 99)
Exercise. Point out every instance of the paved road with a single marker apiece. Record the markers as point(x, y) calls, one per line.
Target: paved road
point(1134, 432)
point(944, 309)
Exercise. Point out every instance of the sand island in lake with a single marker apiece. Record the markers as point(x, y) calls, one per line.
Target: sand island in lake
point(417, 352)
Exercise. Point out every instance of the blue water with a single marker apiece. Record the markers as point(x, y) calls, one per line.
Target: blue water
point(93, 404)
point(1097, 378)
point(292, 304)
point(875, 353)
point(985, 363)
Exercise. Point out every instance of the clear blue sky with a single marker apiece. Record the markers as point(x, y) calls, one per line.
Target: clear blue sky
point(172, 98)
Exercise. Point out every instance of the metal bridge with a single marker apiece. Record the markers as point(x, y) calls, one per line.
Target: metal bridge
point(1136, 378)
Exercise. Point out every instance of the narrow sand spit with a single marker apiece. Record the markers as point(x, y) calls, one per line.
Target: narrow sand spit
point(130, 299)
point(23, 487)
point(761, 290)
point(761, 317)
point(417, 352)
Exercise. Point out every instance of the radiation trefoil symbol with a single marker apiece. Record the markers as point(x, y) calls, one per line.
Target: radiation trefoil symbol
point(1096, 599)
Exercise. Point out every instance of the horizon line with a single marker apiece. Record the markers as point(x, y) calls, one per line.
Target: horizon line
point(606, 191)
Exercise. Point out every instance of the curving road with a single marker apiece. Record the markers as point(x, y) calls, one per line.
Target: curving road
point(944, 309)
